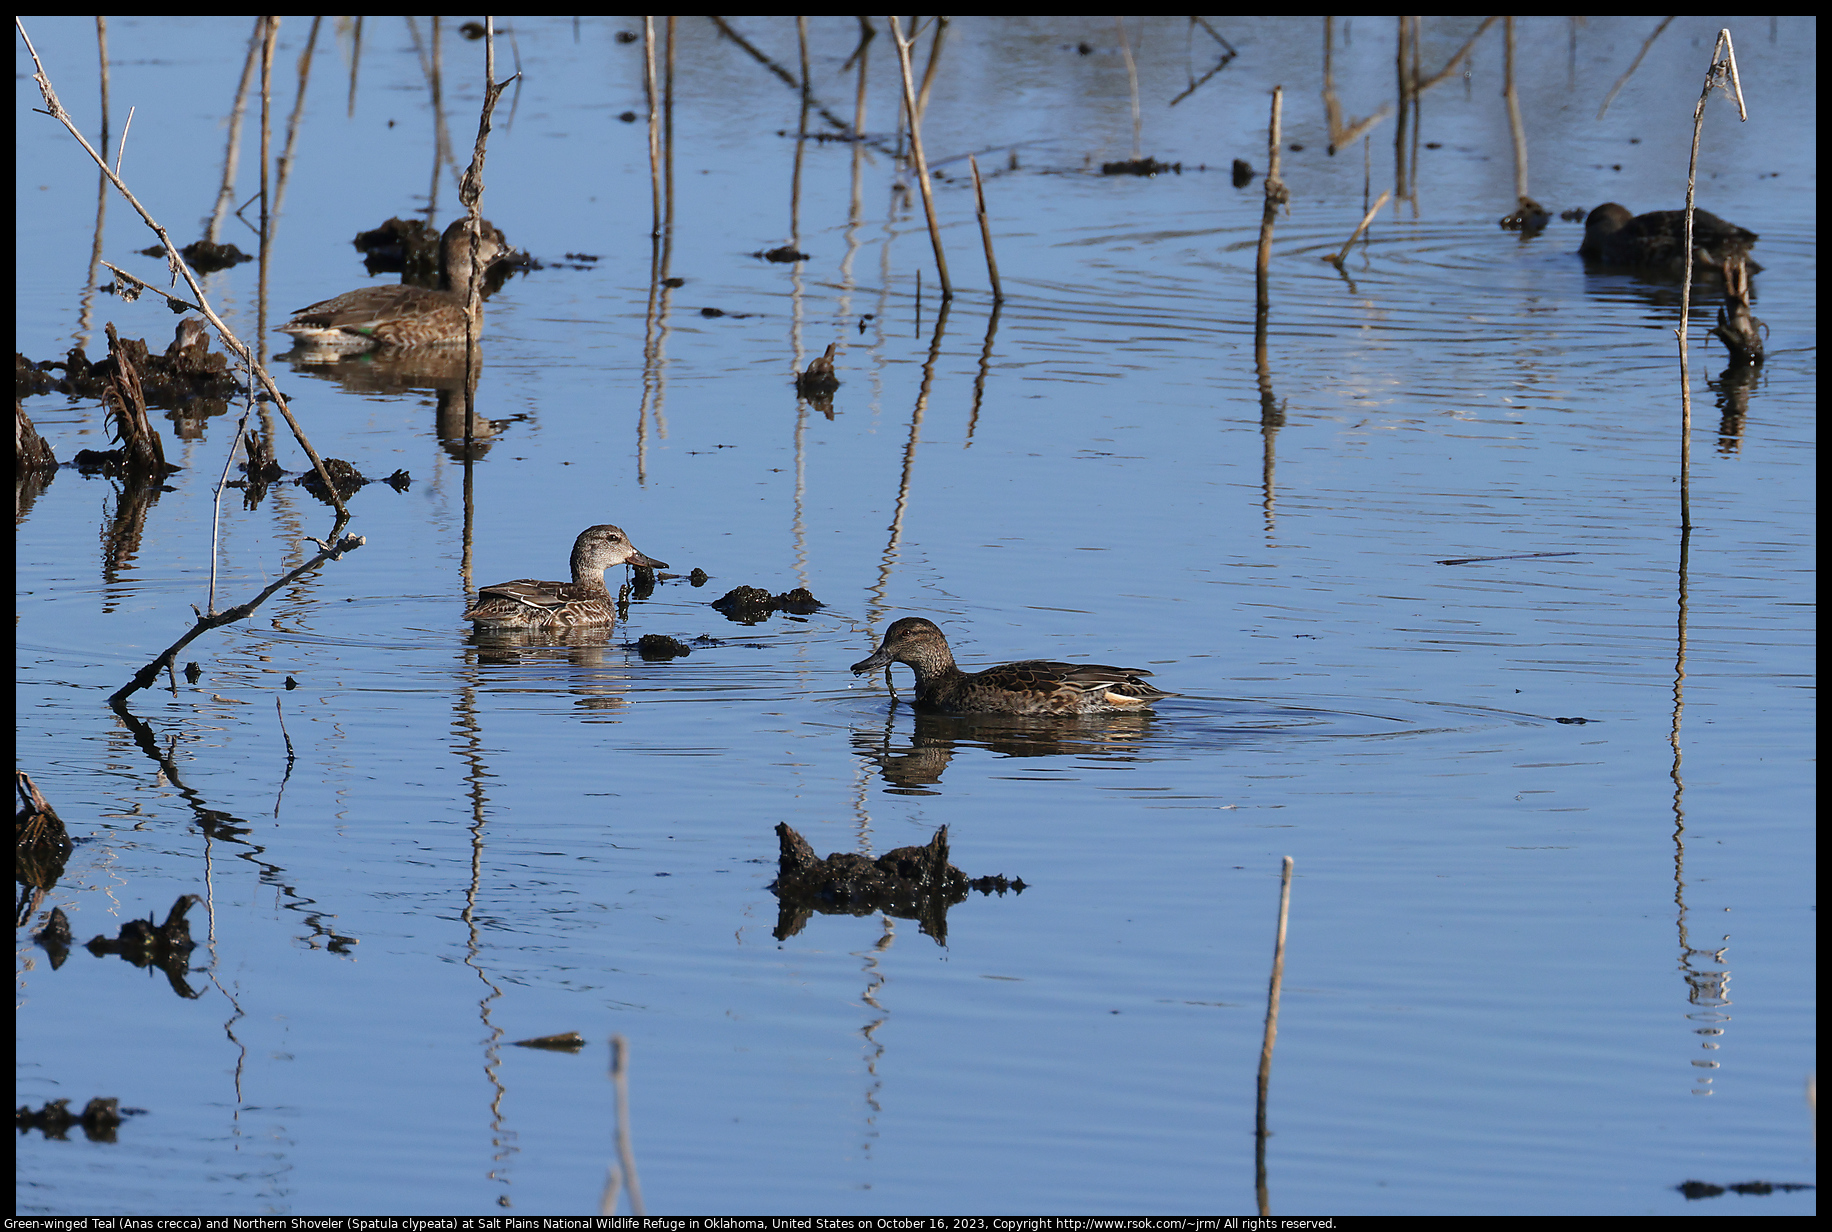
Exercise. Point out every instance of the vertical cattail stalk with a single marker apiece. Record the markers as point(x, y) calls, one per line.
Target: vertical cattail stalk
point(655, 126)
point(1275, 197)
point(1722, 73)
point(921, 164)
point(1515, 127)
point(1272, 1034)
point(992, 262)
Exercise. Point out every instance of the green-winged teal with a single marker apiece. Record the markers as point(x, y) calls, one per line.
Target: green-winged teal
point(402, 316)
point(1035, 686)
point(1656, 243)
point(580, 603)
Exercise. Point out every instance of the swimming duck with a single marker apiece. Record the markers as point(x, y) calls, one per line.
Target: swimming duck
point(580, 603)
point(402, 316)
point(1656, 243)
point(1035, 686)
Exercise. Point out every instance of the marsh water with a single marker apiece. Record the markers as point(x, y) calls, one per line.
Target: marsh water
point(1413, 567)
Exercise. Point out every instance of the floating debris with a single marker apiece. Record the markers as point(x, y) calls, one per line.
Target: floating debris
point(750, 604)
point(55, 937)
point(1530, 217)
point(203, 256)
point(569, 1041)
point(1705, 1189)
point(911, 883)
point(41, 844)
point(188, 377)
point(1243, 173)
point(658, 647)
point(99, 1118)
point(166, 946)
point(782, 256)
point(1737, 328)
point(1140, 166)
point(30, 452)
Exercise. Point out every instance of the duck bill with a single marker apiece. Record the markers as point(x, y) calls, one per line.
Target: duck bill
point(645, 562)
point(880, 659)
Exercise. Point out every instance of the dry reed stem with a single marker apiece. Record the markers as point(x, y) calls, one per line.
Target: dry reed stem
point(1340, 136)
point(1722, 74)
point(1275, 197)
point(1339, 257)
point(928, 72)
point(922, 166)
point(655, 136)
point(607, 1204)
point(1515, 127)
point(1401, 187)
point(992, 262)
point(1271, 1035)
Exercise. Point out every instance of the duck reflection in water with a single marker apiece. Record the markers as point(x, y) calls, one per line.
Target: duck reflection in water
point(916, 768)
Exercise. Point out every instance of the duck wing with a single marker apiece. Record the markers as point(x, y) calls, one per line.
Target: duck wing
point(1042, 677)
point(534, 594)
point(363, 310)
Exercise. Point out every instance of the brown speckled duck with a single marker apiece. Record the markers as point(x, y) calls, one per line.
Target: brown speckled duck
point(1035, 686)
point(371, 318)
point(1656, 243)
point(580, 603)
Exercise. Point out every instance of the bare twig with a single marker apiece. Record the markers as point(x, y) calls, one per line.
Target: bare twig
point(150, 673)
point(1515, 126)
point(922, 166)
point(992, 262)
point(1341, 135)
point(928, 72)
point(1337, 258)
point(1721, 75)
point(655, 135)
point(620, 1064)
point(1272, 1033)
point(1275, 197)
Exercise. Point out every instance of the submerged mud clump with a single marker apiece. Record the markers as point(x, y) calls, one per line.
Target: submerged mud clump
point(1139, 166)
point(749, 605)
point(911, 883)
point(1530, 217)
point(99, 1118)
point(658, 647)
point(188, 378)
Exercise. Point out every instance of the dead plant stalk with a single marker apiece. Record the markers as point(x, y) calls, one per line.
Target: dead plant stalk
point(1721, 75)
point(922, 166)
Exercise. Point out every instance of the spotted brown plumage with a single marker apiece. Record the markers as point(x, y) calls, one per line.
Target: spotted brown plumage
point(1034, 686)
point(392, 317)
point(581, 603)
